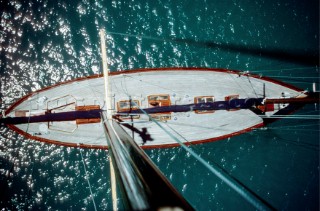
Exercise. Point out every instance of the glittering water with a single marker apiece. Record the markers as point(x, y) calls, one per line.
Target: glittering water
point(44, 42)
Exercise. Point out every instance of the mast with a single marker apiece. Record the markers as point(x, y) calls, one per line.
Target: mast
point(107, 89)
point(143, 185)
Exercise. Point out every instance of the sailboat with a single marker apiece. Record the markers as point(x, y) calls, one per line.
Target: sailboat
point(222, 102)
point(156, 108)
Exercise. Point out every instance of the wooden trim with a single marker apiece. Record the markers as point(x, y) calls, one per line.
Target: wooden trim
point(87, 121)
point(203, 111)
point(161, 102)
point(87, 107)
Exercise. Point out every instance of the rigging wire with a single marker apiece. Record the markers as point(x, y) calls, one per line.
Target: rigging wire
point(252, 86)
point(274, 116)
point(298, 77)
point(277, 70)
point(94, 92)
point(310, 117)
point(87, 178)
point(236, 185)
point(300, 144)
point(165, 88)
point(234, 79)
point(294, 126)
point(232, 182)
point(301, 79)
point(247, 194)
point(297, 142)
point(298, 81)
point(288, 129)
point(141, 36)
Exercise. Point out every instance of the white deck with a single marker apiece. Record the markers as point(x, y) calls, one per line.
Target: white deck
point(182, 86)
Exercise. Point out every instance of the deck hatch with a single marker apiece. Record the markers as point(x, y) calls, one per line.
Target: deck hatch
point(159, 100)
point(204, 99)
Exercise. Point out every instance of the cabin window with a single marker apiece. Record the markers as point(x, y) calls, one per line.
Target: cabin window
point(159, 100)
point(88, 108)
point(204, 99)
point(21, 113)
point(127, 105)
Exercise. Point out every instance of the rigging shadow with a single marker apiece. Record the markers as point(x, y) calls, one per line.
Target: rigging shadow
point(145, 136)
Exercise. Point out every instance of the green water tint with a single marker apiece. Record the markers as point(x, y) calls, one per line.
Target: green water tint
point(49, 42)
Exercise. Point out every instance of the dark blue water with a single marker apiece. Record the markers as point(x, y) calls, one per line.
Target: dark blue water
point(45, 42)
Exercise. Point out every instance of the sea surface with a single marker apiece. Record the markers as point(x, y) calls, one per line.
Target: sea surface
point(44, 42)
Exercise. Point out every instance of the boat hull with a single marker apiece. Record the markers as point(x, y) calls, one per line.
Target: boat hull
point(150, 88)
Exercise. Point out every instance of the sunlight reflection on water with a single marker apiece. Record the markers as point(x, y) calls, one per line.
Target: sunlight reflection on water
point(44, 42)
